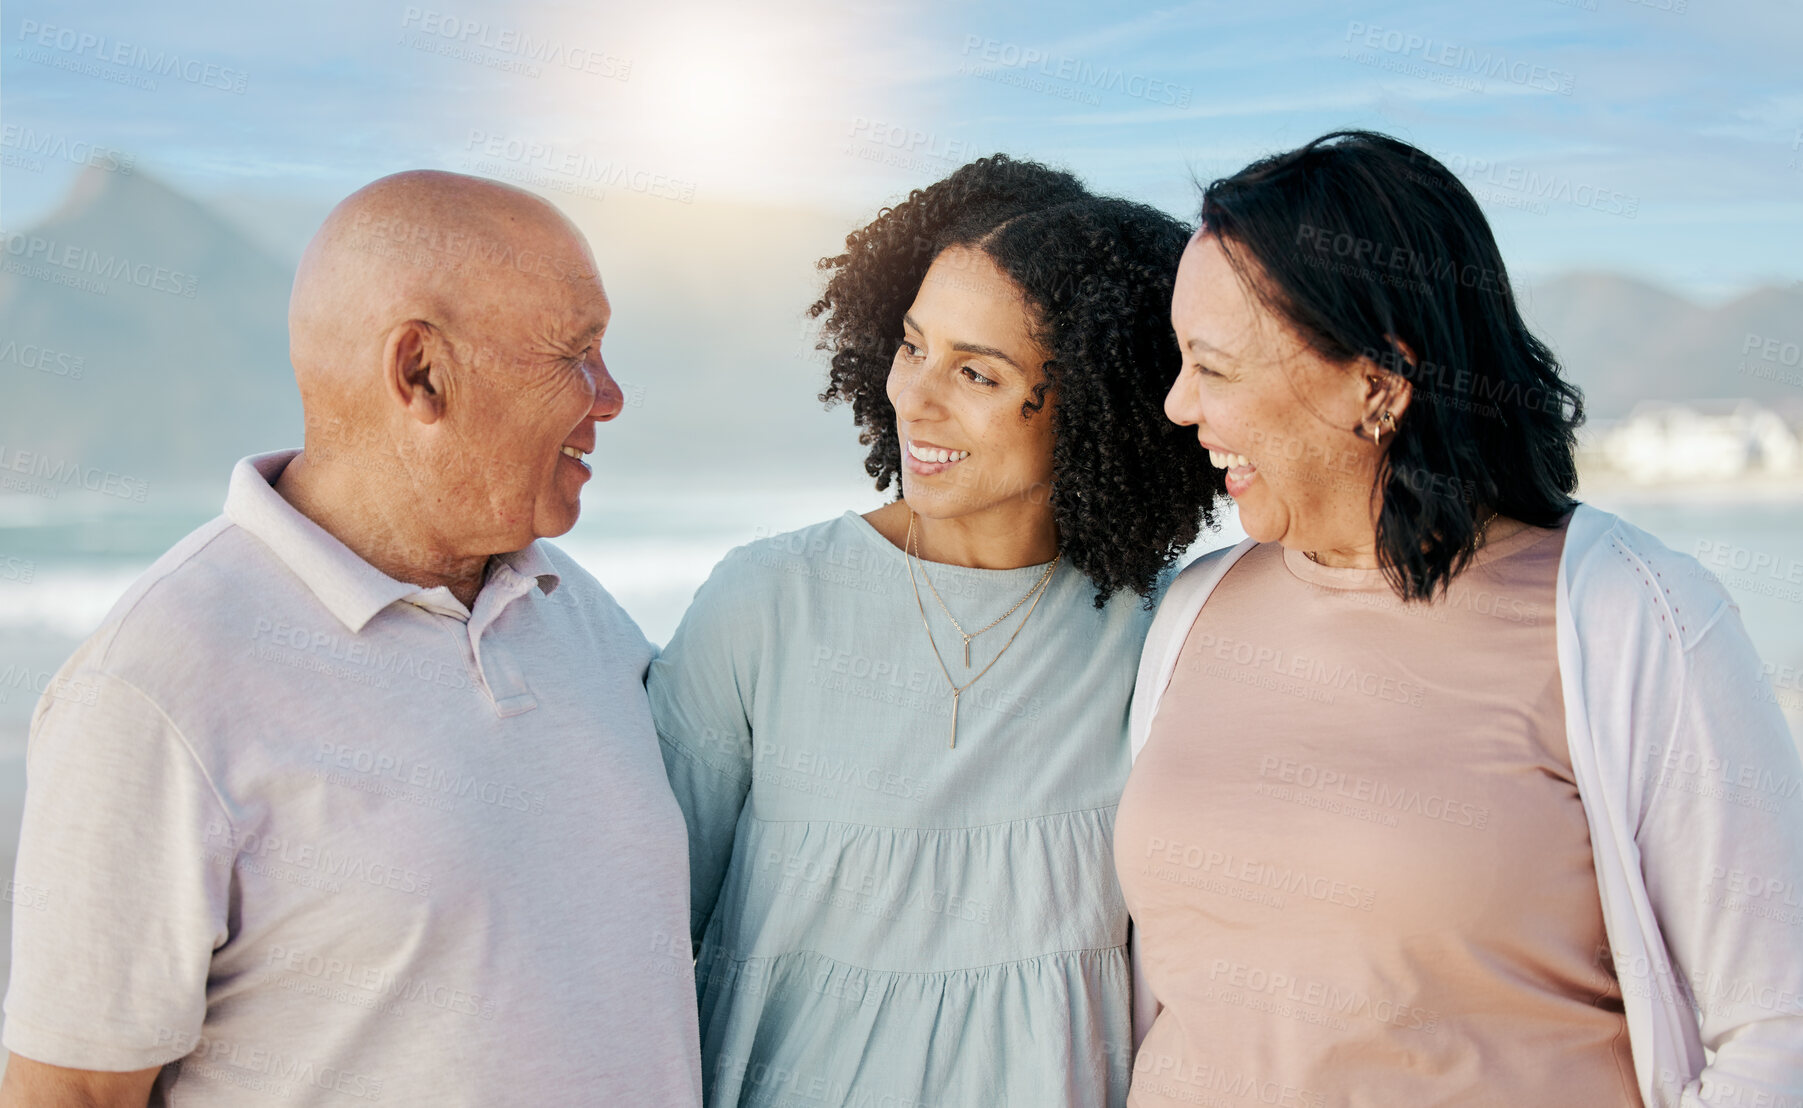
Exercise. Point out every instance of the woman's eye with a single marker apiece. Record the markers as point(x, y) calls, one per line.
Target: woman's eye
point(977, 377)
point(908, 349)
point(1204, 370)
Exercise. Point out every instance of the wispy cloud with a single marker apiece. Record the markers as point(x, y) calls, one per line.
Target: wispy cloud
point(808, 102)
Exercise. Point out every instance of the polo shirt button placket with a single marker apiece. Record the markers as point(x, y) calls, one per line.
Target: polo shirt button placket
point(500, 672)
point(446, 607)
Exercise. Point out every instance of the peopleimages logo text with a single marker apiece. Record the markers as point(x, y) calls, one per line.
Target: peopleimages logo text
point(110, 51)
point(1059, 67)
point(1461, 59)
point(511, 41)
point(61, 472)
point(62, 148)
point(30, 249)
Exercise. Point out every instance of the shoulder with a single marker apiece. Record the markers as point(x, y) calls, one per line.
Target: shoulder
point(844, 550)
point(1614, 569)
point(830, 538)
point(578, 589)
point(192, 598)
point(1210, 563)
point(1201, 575)
point(179, 632)
point(582, 588)
point(754, 584)
point(181, 572)
point(1178, 605)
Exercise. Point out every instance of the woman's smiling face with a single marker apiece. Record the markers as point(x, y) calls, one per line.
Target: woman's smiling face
point(1279, 417)
point(967, 363)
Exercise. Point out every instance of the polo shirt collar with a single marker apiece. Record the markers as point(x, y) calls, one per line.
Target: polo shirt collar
point(532, 564)
point(349, 587)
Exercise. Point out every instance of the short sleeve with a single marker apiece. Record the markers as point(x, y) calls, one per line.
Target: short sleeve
point(701, 689)
point(120, 893)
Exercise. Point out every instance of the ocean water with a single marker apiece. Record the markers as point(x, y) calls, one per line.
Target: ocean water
point(63, 564)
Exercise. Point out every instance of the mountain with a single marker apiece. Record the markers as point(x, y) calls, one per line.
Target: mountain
point(709, 337)
point(170, 383)
point(1625, 341)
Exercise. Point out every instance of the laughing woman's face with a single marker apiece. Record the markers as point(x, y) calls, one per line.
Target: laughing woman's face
point(1279, 418)
point(966, 364)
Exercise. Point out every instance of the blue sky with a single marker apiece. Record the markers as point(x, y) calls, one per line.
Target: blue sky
point(1663, 138)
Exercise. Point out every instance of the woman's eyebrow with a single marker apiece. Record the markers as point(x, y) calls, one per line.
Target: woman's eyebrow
point(1196, 346)
point(967, 347)
point(986, 351)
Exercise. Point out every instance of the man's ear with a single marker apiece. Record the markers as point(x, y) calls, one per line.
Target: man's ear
point(415, 370)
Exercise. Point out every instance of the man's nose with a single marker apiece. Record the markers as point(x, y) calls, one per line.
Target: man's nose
point(609, 398)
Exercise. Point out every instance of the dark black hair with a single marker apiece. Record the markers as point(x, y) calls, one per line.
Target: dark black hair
point(1368, 248)
point(1130, 489)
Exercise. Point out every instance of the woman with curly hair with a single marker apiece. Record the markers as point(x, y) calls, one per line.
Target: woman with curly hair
point(899, 737)
point(1449, 789)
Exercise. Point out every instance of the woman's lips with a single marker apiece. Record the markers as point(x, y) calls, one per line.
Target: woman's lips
point(927, 459)
point(1240, 470)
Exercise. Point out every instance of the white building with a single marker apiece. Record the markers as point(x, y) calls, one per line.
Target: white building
point(1702, 440)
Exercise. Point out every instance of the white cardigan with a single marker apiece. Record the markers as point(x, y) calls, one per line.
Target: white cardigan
point(1693, 790)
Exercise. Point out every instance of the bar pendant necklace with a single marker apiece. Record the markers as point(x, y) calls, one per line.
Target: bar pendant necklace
point(911, 554)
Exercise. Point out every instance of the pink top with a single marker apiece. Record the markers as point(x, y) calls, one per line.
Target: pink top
point(1355, 853)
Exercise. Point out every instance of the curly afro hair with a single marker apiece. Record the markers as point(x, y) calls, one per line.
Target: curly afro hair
point(1131, 490)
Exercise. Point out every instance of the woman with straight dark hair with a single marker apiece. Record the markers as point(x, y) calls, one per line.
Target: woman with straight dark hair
point(1449, 789)
point(899, 737)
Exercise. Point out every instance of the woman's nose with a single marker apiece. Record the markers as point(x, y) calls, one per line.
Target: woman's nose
point(1180, 402)
point(916, 391)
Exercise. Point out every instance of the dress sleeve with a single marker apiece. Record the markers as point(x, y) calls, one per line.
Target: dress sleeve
point(702, 687)
point(1721, 841)
point(122, 887)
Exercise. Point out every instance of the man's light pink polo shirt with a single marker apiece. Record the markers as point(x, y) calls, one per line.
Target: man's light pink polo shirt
point(309, 834)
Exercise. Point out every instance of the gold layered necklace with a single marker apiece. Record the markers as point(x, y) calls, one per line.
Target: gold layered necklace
point(1034, 594)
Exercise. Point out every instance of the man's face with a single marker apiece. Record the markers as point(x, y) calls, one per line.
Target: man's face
point(527, 362)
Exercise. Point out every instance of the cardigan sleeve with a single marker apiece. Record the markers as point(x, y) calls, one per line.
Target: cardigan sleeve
point(1721, 847)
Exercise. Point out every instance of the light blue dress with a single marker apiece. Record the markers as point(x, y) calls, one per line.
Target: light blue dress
point(882, 920)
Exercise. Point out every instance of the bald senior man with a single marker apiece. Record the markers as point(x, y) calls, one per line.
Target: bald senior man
point(360, 797)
